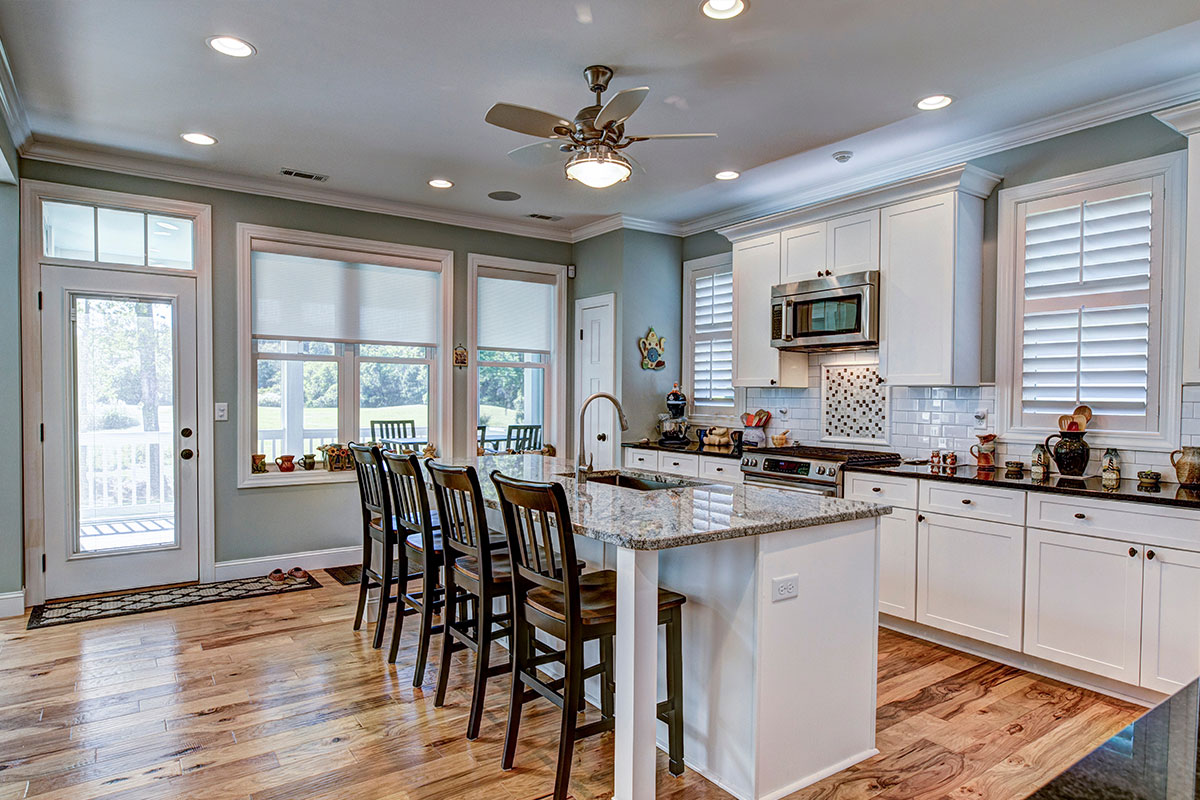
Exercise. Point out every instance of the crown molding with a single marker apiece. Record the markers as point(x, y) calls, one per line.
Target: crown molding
point(1185, 118)
point(1165, 95)
point(11, 107)
point(198, 176)
point(622, 222)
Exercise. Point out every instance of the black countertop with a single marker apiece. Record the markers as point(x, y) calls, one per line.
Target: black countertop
point(1153, 759)
point(690, 447)
point(1167, 494)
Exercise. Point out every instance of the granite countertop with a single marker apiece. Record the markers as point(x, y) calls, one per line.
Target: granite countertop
point(691, 513)
point(1155, 758)
point(690, 447)
point(1167, 494)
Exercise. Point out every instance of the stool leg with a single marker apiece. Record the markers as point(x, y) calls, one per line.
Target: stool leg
point(607, 684)
point(449, 619)
point(385, 591)
point(362, 582)
point(572, 696)
point(520, 654)
point(401, 590)
point(428, 594)
point(483, 635)
point(675, 691)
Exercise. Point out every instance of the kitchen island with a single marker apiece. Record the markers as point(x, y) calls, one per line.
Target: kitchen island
point(780, 626)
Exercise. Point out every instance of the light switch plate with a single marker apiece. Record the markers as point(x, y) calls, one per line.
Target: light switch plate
point(221, 412)
point(785, 588)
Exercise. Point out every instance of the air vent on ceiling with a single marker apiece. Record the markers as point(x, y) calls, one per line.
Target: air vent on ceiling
point(545, 217)
point(302, 175)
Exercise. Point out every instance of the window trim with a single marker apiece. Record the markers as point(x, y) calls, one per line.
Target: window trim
point(1171, 169)
point(555, 429)
point(440, 261)
point(705, 414)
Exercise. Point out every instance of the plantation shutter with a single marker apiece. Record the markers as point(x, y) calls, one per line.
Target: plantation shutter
point(515, 311)
point(1090, 306)
point(712, 355)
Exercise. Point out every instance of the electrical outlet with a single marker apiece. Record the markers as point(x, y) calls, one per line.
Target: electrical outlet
point(221, 412)
point(785, 588)
point(981, 421)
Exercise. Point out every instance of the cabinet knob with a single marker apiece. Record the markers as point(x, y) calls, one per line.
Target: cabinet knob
point(720, 469)
point(876, 489)
point(1150, 554)
point(1081, 515)
point(966, 501)
point(1133, 552)
point(772, 381)
point(920, 517)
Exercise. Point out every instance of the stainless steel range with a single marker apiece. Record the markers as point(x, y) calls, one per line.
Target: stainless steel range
point(807, 469)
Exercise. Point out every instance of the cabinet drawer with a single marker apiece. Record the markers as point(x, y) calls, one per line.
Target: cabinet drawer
point(679, 464)
point(641, 459)
point(976, 502)
point(878, 488)
point(1144, 523)
point(727, 470)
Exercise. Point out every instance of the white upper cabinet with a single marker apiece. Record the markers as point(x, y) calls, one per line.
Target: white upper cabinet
point(804, 252)
point(756, 268)
point(852, 242)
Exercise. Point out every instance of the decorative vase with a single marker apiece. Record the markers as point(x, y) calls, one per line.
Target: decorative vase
point(1187, 465)
point(1070, 452)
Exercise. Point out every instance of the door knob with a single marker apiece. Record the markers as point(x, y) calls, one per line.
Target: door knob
point(186, 454)
point(186, 433)
point(601, 437)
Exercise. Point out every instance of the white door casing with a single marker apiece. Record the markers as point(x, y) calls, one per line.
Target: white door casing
point(595, 371)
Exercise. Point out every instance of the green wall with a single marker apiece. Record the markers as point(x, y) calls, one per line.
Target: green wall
point(262, 522)
point(709, 243)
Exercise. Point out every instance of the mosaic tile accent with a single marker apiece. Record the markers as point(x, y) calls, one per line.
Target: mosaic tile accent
point(855, 403)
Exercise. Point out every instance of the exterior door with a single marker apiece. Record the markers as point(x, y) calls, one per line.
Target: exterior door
point(596, 367)
point(119, 408)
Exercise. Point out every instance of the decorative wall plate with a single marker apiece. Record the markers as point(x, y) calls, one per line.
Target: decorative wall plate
point(460, 356)
point(653, 348)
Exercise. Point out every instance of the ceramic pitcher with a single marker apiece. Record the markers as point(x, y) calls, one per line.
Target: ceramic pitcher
point(1187, 465)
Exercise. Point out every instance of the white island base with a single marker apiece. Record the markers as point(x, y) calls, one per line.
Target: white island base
point(778, 693)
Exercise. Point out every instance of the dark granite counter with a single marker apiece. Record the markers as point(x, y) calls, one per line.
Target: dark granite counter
point(691, 447)
point(1153, 759)
point(1167, 494)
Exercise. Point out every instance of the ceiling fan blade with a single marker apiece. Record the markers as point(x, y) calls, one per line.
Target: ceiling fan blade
point(525, 120)
point(673, 136)
point(537, 154)
point(621, 106)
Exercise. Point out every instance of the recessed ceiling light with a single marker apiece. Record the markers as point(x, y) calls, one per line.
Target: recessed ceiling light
point(198, 138)
point(722, 9)
point(441, 183)
point(727, 175)
point(231, 46)
point(934, 102)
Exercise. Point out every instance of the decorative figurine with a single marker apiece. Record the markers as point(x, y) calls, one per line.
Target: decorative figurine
point(1110, 468)
point(258, 463)
point(1148, 480)
point(460, 356)
point(950, 459)
point(429, 450)
point(652, 348)
point(1040, 466)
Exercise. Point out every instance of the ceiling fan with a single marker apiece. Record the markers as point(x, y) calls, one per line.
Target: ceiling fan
point(594, 139)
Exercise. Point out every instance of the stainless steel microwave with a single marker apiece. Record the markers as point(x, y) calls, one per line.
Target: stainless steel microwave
point(840, 312)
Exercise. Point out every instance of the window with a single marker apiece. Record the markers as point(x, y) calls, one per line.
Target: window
point(1089, 323)
point(116, 236)
point(343, 345)
point(517, 308)
point(708, 337)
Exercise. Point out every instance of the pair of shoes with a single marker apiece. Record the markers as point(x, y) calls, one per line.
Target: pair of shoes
point(295, 573)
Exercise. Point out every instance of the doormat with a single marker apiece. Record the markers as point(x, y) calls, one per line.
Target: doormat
point(120, 605)
point(347, 575)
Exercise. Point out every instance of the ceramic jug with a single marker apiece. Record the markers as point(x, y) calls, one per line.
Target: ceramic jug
point(258, 462)
point(286, 463)
point(1070, 452)
point(1187, 465)
point(985, 451)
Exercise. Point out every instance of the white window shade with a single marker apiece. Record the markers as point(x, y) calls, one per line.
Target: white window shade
point(712, 353)
point(515, 314)
point(300, 297)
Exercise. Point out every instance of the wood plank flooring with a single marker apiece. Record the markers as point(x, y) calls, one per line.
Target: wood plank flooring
point(276, 698)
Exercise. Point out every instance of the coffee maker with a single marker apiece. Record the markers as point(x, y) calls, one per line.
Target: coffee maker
point(673, 425)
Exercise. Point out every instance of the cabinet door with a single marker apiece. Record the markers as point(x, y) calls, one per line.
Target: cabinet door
point(1083, 603)
point(1170, 619)
point(969, 576)
point(898, 563)
point(641, 459)
point(755, 271)
point(804, 251)
point(852, 242)
point(917, 284)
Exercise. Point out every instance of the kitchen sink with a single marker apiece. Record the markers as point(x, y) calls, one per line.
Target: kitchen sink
point(638, 481)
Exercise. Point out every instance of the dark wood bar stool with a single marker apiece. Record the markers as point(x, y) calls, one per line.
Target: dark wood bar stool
point(478, 566)
point(421, 555)
point(378, 526)
point(550, 594)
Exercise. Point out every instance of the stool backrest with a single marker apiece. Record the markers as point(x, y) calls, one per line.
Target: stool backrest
point(393, 429)
point(368, 466)
point(406, 489)
point(462, 514)
point(541, 539)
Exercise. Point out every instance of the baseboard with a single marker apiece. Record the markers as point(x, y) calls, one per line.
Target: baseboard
point(808, 780)
point(309, 560)
point(12, 604)
point(1038, 666)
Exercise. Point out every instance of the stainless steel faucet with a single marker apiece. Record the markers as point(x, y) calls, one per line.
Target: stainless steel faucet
point(584, 467)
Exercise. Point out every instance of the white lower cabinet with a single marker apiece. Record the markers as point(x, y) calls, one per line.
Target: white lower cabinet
point(1083, 603)
point(898, 563)
point(1170, 619)
point(715, 468)
point(969, 578)
point(641, 459)
point(685, 464)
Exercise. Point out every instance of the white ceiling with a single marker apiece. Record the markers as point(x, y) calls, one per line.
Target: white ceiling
point(382, 95)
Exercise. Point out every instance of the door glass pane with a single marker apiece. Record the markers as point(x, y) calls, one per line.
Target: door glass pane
point(69, 231)
point(122, 236)
point(170, 242)
point(124, 375)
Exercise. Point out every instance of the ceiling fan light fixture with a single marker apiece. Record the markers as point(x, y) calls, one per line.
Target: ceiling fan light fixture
point(934, 102)
point(231, 46)
point(598, 167)
point(722, 9)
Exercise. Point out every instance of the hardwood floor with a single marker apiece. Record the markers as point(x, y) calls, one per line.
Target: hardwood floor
point(276, 698)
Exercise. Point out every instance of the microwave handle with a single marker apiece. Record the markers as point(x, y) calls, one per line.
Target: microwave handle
point(788, 333)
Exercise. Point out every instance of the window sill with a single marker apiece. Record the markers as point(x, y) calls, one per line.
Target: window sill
point(1098, 438)
point(265, 480)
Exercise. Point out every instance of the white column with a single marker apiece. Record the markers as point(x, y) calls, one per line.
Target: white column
point(634, 750)
point(1186, 120)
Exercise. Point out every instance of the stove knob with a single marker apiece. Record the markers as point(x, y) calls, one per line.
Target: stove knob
point(820, 470)
point(832, 469)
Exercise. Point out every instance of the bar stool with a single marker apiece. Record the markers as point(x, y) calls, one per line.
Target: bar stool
point(477, 566)
point(379, 525)
point(550, 595)
point(421, 555)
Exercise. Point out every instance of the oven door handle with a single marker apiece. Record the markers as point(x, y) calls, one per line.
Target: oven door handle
point(788, 485)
